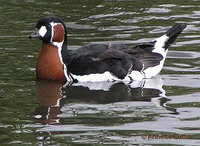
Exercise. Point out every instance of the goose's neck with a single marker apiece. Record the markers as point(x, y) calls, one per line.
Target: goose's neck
point(64, 59)
point(50, 64)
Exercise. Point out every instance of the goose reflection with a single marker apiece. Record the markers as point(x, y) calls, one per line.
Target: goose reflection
point(49, 96)
point(54, 95)
point(108, 92)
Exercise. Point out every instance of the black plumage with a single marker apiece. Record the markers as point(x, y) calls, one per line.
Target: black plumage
point(146, 59)
point(115, 58)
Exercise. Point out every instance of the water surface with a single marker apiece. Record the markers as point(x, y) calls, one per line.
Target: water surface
point(161, 110)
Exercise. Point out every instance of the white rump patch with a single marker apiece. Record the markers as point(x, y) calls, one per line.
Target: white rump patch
point(159, 48)
point(42, 31)
point(160, 43)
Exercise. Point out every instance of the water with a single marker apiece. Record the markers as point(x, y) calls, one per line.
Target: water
point(161, 110)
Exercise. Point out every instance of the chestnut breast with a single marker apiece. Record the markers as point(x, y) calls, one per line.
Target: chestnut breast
point(49, 65)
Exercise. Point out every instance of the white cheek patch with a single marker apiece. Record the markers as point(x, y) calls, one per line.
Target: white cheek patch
point(42, 31)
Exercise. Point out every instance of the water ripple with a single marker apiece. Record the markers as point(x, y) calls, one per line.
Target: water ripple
point(111, 15)
point(183, 54)
point(158, 10)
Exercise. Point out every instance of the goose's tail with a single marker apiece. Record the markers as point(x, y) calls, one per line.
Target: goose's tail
point(161, 47)
point(173, 33)
point(163, 43)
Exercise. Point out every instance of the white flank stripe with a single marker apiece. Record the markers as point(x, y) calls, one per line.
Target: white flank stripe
point(105, 86)
point(106, 76)
point(136, 75)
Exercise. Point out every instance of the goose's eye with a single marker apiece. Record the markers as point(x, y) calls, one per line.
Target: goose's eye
point(49, 26)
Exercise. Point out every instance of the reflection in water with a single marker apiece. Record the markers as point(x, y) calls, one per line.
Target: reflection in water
point(99, 21)
point(53, 95)
point(49, 96)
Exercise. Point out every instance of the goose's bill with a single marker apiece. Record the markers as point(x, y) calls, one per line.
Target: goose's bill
point(35, 34)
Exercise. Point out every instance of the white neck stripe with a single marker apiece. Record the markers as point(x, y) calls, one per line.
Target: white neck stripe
point(59, 46)
point(52, 32)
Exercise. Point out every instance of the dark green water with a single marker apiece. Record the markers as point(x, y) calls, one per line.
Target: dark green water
point(162, 110)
